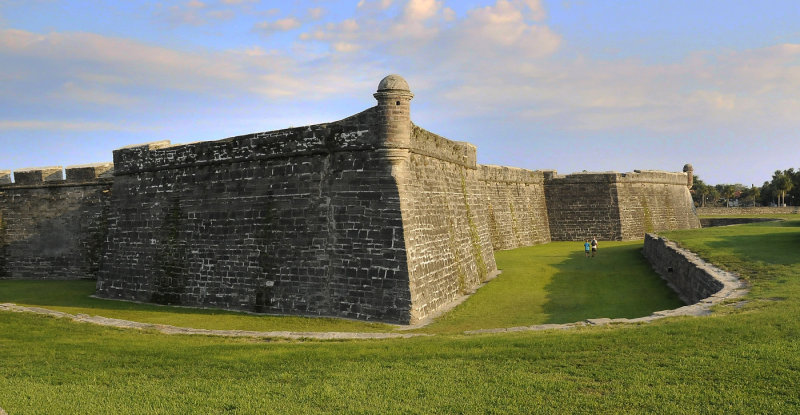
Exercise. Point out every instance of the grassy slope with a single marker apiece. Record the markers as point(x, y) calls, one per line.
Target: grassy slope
point(739, 360)
point(556, 283)
point(74, 297)
point(551, 283)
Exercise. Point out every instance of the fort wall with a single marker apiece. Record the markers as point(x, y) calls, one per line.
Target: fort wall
point(52, 227)
point(370, 217)
point(583, 205)
point(447, 236)
point(617, 206)
point(654, 201)
point(515, 206)
point(298, 221)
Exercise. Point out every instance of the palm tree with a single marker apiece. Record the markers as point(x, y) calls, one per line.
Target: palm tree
point(782, 182)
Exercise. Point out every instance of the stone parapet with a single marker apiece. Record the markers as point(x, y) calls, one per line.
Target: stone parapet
point(503, 174)
point(653, 177)
point(89, 172)
point(356, 133)
point(38, 175)
point(428, 144)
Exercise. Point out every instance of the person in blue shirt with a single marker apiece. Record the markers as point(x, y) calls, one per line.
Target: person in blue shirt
point(587, 247)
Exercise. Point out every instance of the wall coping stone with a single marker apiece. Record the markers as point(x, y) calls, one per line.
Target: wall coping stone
point(637, 176)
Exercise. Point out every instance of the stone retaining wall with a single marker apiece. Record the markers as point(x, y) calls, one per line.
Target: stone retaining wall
point(712, 222)
point(691, 277)
point(758, 210)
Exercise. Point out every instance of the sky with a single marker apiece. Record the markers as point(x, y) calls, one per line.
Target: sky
point(570, 85)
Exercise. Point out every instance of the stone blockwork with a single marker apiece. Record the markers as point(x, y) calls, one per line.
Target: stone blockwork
point(516, 207)
point(581, 206)
point(370, 217)
point(654, 201)
point(299, 221)
point(617, 206)
point(691, 277)
point(51, 228)
point(447, 237)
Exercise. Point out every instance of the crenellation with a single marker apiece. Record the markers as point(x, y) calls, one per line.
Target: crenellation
point(370, 217)
point(38, 175)
point(89, 172)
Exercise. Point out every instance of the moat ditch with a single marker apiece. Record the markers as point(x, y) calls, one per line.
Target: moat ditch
point(549, 286)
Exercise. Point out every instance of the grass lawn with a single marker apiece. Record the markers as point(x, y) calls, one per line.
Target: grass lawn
point(551, 283)
point(556, 283)
point(742, 359)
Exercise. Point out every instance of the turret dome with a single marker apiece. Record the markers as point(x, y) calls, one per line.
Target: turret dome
point(393, 83)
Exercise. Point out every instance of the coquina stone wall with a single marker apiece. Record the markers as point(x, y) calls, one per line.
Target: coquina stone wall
point(654, 201)
point(516, 207)
point(617, 206)
point(444, 216)
point(370, 217)
point(757, 210)
point(298, 221)
point(52, 227)
point(692, 278)
point(456, 213)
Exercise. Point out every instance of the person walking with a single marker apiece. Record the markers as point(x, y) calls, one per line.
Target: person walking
point(594, 246)
point(587, 247)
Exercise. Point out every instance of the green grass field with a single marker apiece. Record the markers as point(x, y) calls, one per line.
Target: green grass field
point(745, 358)
point(551, 283)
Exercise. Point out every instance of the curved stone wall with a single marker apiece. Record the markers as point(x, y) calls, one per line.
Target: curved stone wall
point(692, 278)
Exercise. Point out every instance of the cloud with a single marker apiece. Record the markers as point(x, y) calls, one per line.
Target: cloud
point(281, 25)
point(316, 13)
point(499, 60)
point(428, 30)
point(196, 12)
point(95, 94)
point(60, 125)
point(375, 4)
point(100, 70)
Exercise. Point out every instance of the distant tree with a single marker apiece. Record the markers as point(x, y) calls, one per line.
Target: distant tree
point(768, 194)
point(782, 181)
point(726, 191)
point(755, 194)
point(699, 191)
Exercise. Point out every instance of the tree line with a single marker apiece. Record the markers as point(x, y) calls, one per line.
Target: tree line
point(782, 190)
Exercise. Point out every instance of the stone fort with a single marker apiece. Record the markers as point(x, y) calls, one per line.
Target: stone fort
point(370, 217)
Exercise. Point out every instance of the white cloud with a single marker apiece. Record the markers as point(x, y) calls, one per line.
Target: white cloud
point(316, 13)
point(496, 59)
point(60, 125)
point(95, 94)
point(195, 13)
point(90, 68)
point(375, 4)
point(281, 25)
point(417, 10)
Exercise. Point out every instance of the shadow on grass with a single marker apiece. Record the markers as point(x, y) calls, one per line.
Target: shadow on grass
point(617, 283)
